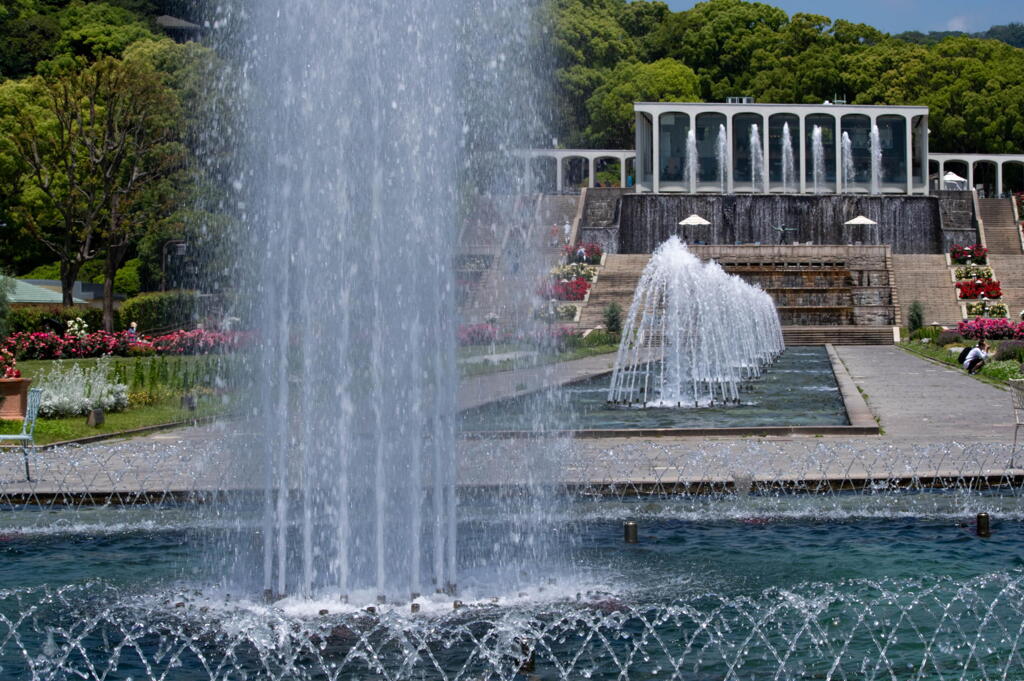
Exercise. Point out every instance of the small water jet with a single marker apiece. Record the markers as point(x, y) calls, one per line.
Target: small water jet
point(693, 335)
point(722, 157)
point(848, 169)
point(691, 160)
point(818, 160)
point(876, 161)
point(788, 166)
point(756, 160)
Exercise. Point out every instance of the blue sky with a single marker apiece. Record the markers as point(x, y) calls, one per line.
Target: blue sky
point(895, 16)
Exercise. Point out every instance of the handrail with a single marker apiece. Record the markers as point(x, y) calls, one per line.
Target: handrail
point(977, 217)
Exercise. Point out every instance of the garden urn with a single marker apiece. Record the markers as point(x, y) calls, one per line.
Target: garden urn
point(13, 398)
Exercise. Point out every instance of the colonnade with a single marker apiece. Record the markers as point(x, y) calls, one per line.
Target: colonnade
point(561, 157)
point(667, 134)
point(969, 161)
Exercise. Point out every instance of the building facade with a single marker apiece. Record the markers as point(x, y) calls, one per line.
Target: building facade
point(781, 148)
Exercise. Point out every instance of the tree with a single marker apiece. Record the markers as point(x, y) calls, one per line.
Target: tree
point(101, 138)
point(611, 105)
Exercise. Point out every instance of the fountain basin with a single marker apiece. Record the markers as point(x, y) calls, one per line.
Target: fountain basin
point(806, 391)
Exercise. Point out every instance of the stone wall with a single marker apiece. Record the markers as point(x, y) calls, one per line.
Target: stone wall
point(959, 224)
point(909, 224)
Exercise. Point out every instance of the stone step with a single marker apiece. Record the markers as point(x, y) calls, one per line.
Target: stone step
point(837, 335)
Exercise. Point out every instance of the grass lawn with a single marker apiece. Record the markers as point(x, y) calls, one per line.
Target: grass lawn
point(167, 409)
point(995, 373)
point(483, 368)
point(74, 427)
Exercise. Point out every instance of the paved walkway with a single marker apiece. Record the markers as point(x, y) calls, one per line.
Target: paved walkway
point(937, 421)
point(479, 390)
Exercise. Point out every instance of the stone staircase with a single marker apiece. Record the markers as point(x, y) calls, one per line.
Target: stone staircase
point(1002, 236)
point(616, 283)
point(926, 278)
point(1009, 270)
point(837, 335)
point(619, 275)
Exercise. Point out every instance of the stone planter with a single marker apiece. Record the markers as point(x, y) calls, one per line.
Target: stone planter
point(13, 398)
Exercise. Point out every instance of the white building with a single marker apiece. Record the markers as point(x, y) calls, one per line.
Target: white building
point(795, 148)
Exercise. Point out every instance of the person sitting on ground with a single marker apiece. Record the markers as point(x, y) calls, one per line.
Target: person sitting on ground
point(976, 358)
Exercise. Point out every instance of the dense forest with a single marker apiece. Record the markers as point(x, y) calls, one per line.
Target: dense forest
point(68, 66)
point(610, 53)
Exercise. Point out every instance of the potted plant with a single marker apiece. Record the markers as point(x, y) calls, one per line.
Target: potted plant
point(13, 388)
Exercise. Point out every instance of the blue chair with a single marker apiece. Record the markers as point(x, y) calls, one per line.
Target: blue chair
point(26, 439)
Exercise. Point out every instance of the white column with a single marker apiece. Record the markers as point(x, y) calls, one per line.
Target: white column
point(803, 154)
point(970, 174)
point(558, 174)
point(999, 178)
point(764, 155)
point(837, 131)
point(656, 153)
point(923, 151)
point(910, 155)
point(591, 167)
point(942, 171)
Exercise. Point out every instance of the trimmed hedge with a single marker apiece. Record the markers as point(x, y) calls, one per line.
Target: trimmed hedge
point(162, 310)
point(56, 318)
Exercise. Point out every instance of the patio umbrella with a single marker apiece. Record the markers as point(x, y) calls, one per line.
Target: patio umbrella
point(860, 220)
point(695, 220)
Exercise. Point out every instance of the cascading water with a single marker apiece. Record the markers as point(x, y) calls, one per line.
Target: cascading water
point(818, 160)
point(848, 169)
point(788, 165)
point(756, 160)
point(691, 159)
point(722, 158)
point(876, 160)
point(693, 335)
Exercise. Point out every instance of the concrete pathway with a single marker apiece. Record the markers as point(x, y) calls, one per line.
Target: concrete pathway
point(938, 423)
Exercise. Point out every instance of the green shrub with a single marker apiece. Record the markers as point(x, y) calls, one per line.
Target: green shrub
point(948, 338)
point(32, 319)
point(595, 338)
point(162, 311)
point(929, 332)
point(1002, 371)
point(613, 318)
point(915, 317)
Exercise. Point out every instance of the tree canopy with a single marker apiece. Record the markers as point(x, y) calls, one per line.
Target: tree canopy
point(974, 85)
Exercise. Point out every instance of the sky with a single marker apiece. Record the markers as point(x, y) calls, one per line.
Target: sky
point(896, 16)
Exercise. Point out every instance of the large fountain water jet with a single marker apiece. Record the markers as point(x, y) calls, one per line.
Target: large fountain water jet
point(351, 172)
point(693, 335)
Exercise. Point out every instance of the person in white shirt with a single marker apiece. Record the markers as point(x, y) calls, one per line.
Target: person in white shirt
point(976, 358)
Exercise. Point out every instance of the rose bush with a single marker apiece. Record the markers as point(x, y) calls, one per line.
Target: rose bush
point(994, 329)
point(963, 254)
point(123, 344)
point(980, 288)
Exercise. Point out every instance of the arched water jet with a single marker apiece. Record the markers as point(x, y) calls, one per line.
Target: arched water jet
point(848, 168)
point(788, 166)
point(694, 333)
point(876, 161)
point(756, 160)
point(818, 159)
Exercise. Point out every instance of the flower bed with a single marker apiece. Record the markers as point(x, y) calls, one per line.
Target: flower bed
point(973, 272)
point(994, 329)
point(980, 288)
point(575, 289)
point(961, 255)
point(576, 270)
point(983, 308)
point(592, 252)
point(122, 344)
point(8, 365)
